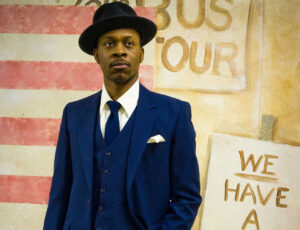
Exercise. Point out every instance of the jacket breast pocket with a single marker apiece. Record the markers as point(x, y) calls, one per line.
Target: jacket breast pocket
point(154, 148)
point(157, 154)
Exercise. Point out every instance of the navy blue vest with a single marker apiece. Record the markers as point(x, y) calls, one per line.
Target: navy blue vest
point(110, 210)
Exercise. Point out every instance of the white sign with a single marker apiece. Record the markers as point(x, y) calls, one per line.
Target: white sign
point(201, 45)
point(252, 185)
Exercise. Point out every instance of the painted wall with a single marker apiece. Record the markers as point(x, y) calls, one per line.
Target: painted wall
point(235, 61)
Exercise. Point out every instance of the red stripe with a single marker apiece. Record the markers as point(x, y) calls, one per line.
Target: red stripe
point(29, 131)
point(146, 74)
point(52, 19)
point(147, 12)
point(58, 75)
point(24, 189)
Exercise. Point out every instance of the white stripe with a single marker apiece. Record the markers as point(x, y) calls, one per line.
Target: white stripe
point(22, 216)
point(37, 103)
point(51, 47)
point(41, 47)
point(26, 160)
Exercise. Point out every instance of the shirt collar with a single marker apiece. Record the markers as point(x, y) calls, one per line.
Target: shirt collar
point(128, 100)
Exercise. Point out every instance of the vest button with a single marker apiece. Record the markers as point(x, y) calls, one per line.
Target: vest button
point(107, 154)
point(103, 190)
point(89, 202)
point(105, 171)
point(101, 208)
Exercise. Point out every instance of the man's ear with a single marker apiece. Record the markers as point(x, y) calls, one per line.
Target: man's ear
point(95, 53)
point(142, 55)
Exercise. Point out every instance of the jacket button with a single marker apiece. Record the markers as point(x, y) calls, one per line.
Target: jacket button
point(105, 171)
point(89, 202)
point(103, 190)
point(101, 208)
point(107, 154)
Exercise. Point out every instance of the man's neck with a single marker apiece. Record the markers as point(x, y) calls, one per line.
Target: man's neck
point(115, 91)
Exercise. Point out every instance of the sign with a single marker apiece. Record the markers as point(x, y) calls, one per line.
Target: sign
point(252, 185)
point(201, 44)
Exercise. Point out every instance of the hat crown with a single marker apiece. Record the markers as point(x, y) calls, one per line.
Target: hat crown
point(114, 9)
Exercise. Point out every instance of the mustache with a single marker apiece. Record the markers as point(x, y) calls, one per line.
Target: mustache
point(119, 62)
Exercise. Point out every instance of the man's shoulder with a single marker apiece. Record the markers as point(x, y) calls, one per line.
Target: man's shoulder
point(168, 101)
point(170, 110)
point(168, 107)
point(79, 104)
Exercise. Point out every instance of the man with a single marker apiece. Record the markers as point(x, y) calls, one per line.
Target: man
point(125, 156)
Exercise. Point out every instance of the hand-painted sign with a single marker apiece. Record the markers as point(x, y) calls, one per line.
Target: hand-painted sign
point(201, 45)
point(252, 185)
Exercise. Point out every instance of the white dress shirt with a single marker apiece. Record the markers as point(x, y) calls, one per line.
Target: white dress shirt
point(128, 103)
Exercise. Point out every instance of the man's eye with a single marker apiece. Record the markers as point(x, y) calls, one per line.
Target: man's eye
point(129, 44)
point(108, 44)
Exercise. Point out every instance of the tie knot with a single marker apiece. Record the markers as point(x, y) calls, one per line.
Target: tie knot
point(114, 106)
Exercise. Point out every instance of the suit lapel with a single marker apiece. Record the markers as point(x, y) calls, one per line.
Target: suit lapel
point(86, 126)
point(143, 125)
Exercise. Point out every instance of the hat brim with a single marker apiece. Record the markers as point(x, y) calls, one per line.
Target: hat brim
point(89, 38)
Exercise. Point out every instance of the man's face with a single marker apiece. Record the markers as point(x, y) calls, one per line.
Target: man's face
point(119, 54)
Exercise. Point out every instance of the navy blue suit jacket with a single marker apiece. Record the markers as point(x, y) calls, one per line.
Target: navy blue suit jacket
point(162, 179)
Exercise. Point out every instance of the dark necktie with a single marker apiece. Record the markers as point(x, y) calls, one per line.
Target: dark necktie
point(112, 128)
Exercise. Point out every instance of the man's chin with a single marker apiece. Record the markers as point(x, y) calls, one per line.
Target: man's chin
point(122, 78)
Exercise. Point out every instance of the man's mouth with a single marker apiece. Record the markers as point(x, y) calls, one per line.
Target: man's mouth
point(119, 64)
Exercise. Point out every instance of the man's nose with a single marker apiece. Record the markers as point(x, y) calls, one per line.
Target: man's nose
point(120, 50)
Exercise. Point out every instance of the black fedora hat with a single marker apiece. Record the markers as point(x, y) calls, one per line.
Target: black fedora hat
point(111, 16)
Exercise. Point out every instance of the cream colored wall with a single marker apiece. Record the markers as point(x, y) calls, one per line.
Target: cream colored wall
point(273, 86)
point(280, 90)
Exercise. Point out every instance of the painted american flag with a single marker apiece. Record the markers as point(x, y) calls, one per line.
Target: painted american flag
point(42, 69)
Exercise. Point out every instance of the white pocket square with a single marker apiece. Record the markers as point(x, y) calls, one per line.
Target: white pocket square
point(156, 139)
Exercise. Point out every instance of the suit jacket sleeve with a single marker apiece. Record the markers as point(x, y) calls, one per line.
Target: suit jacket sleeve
point(61, 181)
point(184, 175)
